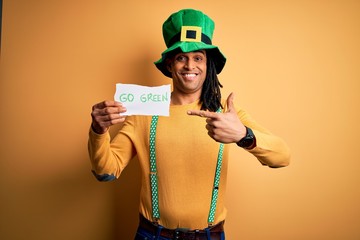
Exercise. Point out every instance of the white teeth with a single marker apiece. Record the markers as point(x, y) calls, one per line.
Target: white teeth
point(190, 75)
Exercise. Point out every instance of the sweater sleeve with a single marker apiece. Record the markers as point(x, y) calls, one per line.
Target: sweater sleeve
point(270, 149)
point(109, 158)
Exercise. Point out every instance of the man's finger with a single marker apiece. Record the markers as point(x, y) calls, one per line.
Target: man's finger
point(201, 113)
point(230, 102)
point(105, 104)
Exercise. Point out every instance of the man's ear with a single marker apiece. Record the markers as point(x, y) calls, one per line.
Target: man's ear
point(168, 64)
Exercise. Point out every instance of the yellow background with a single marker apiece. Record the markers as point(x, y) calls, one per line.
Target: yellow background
point(294, 66)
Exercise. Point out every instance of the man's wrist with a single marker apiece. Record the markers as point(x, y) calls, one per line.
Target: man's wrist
point(98, 130)
point(248, 141)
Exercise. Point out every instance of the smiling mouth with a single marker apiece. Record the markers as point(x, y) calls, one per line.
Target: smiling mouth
point(189, 76)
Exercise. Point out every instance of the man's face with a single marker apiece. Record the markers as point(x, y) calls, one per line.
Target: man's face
point(188, 71)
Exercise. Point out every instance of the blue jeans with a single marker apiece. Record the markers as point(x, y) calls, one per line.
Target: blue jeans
point(142, 234)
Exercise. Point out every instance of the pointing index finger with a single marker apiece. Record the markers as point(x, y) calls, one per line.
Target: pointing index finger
point(202, 113)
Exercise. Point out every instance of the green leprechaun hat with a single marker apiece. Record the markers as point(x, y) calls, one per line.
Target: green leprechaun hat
point(189, 30)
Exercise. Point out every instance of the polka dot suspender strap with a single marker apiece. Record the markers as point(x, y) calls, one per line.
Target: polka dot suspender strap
point(153, 171)
point(154, 179)
point(215, 191)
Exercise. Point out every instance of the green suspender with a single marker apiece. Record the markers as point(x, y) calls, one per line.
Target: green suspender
point(215, 191)
point(154, 182)
point(153, 170)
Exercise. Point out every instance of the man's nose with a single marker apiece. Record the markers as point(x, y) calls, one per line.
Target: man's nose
point(190, 64)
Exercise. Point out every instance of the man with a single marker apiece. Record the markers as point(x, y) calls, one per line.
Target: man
point(183, 157)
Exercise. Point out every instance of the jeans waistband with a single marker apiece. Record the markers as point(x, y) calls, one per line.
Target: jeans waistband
point(180, 233)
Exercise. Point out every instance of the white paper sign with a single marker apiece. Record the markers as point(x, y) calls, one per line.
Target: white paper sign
point(142, 100)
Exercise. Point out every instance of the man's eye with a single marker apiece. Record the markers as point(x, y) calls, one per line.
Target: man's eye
point(198, 59)
point(180, 58)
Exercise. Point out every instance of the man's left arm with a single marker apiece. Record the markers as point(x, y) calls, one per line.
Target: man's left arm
point(269, 149)
point(233, 126)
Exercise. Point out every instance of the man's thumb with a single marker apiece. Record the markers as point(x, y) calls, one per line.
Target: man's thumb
point(230, 103)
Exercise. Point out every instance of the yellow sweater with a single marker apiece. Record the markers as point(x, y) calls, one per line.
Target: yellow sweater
point(186, 162)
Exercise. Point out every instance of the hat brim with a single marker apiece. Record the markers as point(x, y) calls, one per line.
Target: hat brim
point(185, 47)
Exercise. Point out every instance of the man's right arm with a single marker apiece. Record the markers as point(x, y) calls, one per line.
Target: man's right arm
point(107, 163)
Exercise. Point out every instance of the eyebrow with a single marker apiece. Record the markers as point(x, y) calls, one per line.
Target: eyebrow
point(200, 51)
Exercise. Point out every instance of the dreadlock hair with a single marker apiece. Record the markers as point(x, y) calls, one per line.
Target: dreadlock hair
point(210, 98)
